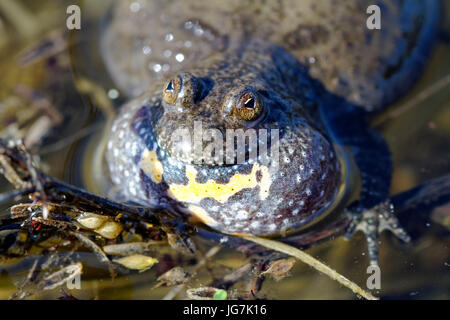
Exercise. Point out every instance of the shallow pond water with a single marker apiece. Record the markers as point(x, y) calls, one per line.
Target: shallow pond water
point(419, 138)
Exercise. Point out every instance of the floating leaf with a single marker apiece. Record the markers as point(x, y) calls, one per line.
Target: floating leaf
point(202, 293)
point(137, 262)
point(110, 230)
point(173, 277)
point(279, 269)
point(220, 295)
point(124, 249)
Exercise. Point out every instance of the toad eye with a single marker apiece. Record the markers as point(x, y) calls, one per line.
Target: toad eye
point(248, 107)
point(172, 89)
point(185, 90)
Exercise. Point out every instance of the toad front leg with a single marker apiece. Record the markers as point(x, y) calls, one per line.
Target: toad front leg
point(372, 221)
point(373, 212)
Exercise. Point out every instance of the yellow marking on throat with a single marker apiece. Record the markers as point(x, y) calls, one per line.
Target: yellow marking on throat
point(202, 215)
point(152, 166)
point(194, 192)
point(265, 183)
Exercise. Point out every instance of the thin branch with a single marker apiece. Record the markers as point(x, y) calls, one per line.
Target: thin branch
point(211, 252)
point(422, 96)
point(313, 262)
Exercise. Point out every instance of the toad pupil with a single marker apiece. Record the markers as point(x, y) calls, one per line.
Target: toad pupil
point(250, 103)
point(170, 86)
point(294, 69)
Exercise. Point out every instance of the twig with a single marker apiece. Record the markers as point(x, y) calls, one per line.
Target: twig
point(211, 252)
point(32, 274)
point(233, 277)
point(10, 174)
point(311, 261)
point(40, 102)
point(422, 96)
point(15, 193)
point(20, 17)
point(52, 44)
point(97, 250)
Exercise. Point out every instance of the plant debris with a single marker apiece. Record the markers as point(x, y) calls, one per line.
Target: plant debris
point(137, 262)
point(62, 217)
point(279, 269)
point(173, 277)
point(205, 293)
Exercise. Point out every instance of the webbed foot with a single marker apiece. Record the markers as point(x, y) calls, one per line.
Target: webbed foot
point(372, 222)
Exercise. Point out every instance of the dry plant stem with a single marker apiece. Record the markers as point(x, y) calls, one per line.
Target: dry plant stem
point(37, 131)
point(233, 277)
point(311, 261)
point(211, 252)
point(97, 250)
point(36, 179)
point(60, 277)
point(10, 174)
point(40, 102)
point(30, 277)
point(108, 207)
point(16, 165)
point(422, 96)
point(255, 284)
point(98, 95)
point(15, 194)
point(42, 262)
point(431, 192)
point(23, 20)
point(49, 45)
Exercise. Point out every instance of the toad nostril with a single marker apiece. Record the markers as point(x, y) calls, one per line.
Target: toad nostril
point(202, 86)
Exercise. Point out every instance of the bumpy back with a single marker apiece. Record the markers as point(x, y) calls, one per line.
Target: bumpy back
point(146, 40)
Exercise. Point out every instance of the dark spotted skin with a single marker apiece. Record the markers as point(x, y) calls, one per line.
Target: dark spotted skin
point(283, 198)
point(315, 82)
